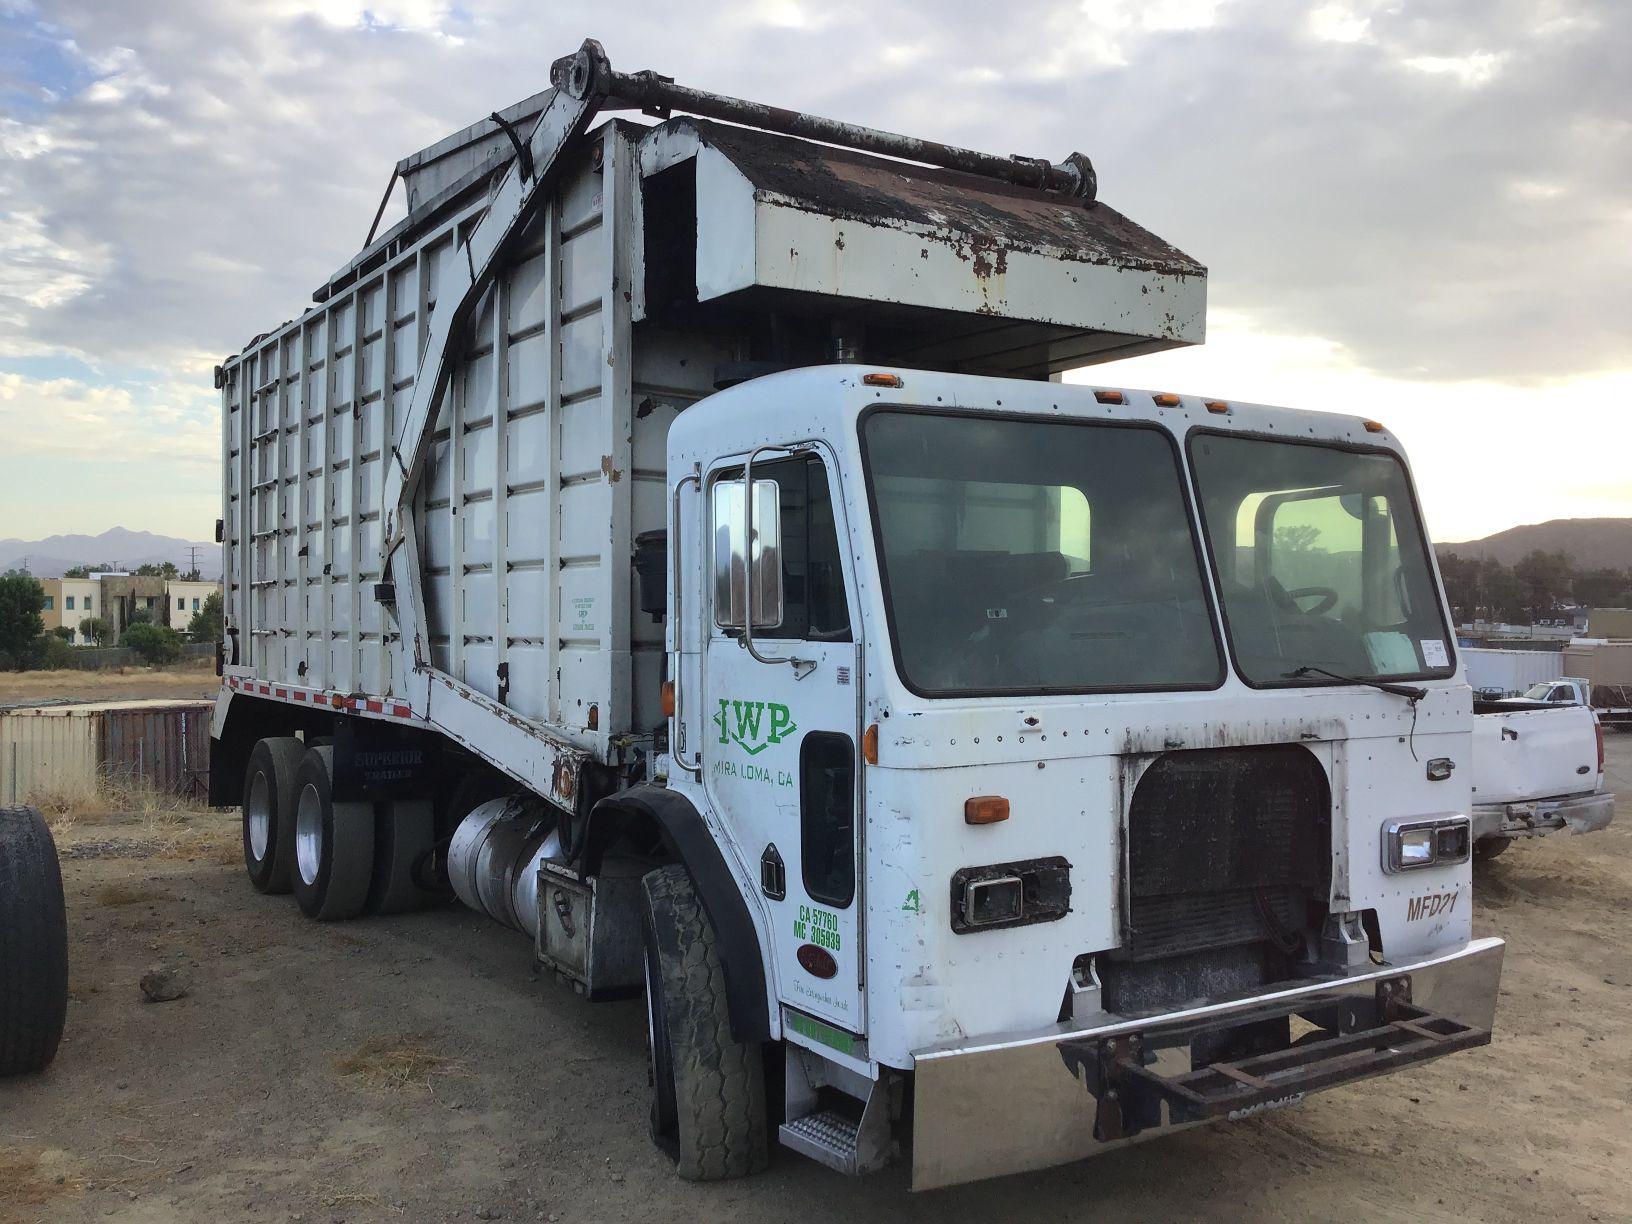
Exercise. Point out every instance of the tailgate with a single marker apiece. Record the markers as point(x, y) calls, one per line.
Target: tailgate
point(1534, 754)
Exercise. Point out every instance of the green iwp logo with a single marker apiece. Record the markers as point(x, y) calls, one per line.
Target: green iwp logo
point(753, 725)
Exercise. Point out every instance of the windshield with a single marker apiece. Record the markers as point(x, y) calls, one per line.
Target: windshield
point(1036, 556)
point(1321, 562)
point(1539, 692)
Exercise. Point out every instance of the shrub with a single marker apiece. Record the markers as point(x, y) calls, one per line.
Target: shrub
point(155, 645)
point(65, 632)
point(52, 653)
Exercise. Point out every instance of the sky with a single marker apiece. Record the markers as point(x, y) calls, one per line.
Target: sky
point(1418, 212)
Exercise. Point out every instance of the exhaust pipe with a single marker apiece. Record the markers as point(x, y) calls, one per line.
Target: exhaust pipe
point(494, 858)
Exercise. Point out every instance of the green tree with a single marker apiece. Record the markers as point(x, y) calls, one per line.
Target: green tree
point(206, 623)
point(140, 616)
point(158, 569)
point(1546, 577)
point(52, 653)
point(65, 632)
point(155, 645)
point(1603, 588)
point(85, 571)
point(95, 629)
point(21, 599)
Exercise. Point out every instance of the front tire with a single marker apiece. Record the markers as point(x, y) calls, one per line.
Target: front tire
point(33, 943)
point(334, 843)
point(708, 1088)
point(1487, 848)
point(269, 812)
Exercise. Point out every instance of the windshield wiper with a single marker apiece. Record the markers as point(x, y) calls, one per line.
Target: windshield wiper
point(1410, 692)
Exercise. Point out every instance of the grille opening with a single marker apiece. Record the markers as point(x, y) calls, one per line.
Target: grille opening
point(1229, 867)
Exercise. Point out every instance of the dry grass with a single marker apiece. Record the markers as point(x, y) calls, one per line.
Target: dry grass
point(192, 678)
point(401, 1061)
point(36, 1178)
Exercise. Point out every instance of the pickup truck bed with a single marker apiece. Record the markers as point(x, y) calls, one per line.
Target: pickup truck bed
point(1537, 768)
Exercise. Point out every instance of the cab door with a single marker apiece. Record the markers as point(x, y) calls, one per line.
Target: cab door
point(780, 715)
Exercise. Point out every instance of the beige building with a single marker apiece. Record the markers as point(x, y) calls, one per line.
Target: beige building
point(116, 597)
point(68, 601)
point(182, 598)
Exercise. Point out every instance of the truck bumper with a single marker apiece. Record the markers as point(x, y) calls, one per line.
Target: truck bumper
point(1015, 1102)
point(1580, 814)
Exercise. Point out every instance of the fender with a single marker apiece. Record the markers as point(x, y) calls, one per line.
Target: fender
point(688, 839)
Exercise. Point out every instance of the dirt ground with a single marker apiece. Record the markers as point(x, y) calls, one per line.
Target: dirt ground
point(417, 1068)
point(191, 678)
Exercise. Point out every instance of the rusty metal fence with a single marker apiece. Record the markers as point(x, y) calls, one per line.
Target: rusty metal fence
point(65, 751)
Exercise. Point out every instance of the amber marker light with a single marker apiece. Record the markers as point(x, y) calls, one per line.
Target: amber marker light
point(985, 809)
point(1218, 406)
point(1108, 397)
point(869, 745)
point(881, 380)
point(668, 699)
point(1166, 399)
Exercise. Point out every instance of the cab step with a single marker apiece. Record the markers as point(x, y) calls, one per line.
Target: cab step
point(827, 1136)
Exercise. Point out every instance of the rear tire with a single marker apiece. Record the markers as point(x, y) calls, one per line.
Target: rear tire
point(33, 943)
point(269, 812)
point(708, 1088)
point(334, 843)
point(404, 839)
point(1487, 848)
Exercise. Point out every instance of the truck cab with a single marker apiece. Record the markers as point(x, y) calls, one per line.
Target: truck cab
point(1042, 716)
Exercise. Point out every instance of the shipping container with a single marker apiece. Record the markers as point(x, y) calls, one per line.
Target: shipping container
point(1506, 672)
point(69, 751)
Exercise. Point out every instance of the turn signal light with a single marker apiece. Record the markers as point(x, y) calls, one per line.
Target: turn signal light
point(985, 809)
point(1166, 400)
point(1108, 397)
point(881, 380)
point(869, 745)
point(668, 699)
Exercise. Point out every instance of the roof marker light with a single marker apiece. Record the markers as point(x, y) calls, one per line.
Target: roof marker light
point(1373, 426)
point(1108, 397)
point(1218, 406)
point(881, 380)
point(1166, 399)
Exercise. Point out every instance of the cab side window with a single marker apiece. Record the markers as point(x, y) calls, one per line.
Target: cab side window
point(805, 553)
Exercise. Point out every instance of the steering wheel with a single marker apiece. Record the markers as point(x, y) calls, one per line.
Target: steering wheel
point(1328, 599)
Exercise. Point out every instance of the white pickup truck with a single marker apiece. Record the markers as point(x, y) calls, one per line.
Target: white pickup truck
point(1538, 766)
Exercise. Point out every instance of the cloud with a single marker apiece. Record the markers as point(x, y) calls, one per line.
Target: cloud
point(1437, 192)
point(170, 423)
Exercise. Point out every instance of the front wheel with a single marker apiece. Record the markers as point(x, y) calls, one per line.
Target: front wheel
point(1487, 848)
point(708, 1088)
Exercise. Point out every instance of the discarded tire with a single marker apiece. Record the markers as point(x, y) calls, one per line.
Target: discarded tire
point(708, 1088)
point(269, 812)
point(33, 943)
point(334, 843)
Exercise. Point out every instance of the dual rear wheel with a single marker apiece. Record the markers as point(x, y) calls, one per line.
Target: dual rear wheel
point(341, 858)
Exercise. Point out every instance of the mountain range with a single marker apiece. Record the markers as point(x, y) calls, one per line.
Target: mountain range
point(1593, 543)
point(49, 557)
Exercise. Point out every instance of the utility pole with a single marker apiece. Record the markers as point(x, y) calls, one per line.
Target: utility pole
point(192, 552)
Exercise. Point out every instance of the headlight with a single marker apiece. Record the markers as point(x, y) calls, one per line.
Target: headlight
point(1435, 842)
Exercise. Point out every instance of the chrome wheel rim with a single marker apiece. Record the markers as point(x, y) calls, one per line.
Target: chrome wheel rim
point(259, 814)
point(309, 834)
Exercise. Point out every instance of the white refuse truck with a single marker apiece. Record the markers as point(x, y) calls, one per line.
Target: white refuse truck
point(671, 540)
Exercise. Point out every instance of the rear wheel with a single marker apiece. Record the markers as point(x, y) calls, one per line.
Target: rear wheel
point(334, 843)
point(33, 943)
point(404, 842)
point(269, 812)
point(708, 1088)
point(1487, 848)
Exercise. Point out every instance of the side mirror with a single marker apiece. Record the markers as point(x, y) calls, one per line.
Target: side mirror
point(733, 558)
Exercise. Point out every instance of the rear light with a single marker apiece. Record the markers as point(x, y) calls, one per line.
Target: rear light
point(1598, 731)
point(985, 809)
point(1434, 842)
point(1108, 397)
